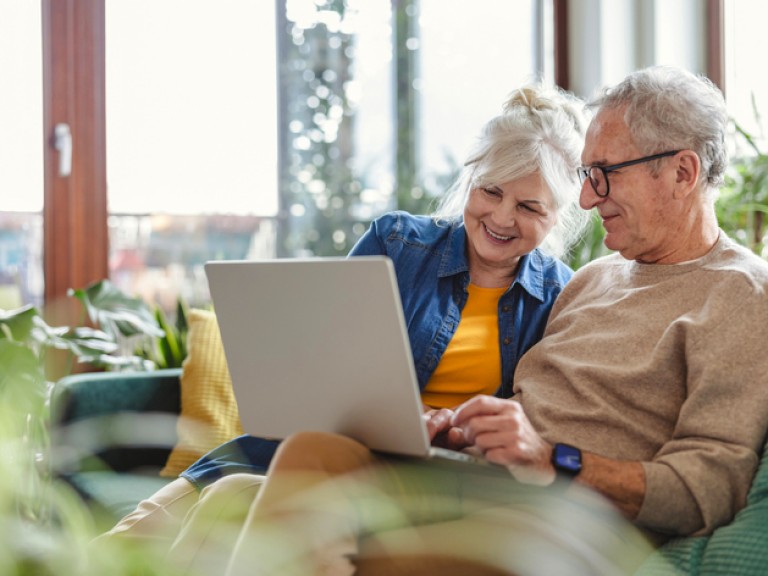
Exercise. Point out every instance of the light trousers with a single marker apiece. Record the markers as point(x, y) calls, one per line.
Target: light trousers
point(330, 506)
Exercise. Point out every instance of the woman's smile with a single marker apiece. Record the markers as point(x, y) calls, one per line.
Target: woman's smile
point(497, 237)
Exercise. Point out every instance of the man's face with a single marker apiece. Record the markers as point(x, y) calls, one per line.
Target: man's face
point(639, 216)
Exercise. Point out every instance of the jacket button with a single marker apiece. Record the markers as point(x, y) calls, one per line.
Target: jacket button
point(507, 340)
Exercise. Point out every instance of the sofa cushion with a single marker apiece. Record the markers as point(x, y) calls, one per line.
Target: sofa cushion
point(209, 414)
point(114, 420)
point(740, 547)
point(737, 548)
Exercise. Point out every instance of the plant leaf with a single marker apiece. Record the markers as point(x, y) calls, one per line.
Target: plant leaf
point(19, 322)
point(22, 381)
point(169, 343)
point(114, 311)
point(119, 362)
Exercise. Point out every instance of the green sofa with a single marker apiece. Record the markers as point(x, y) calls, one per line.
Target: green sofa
point(112, 432)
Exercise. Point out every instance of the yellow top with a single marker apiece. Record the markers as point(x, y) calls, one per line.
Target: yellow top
point(471, 363)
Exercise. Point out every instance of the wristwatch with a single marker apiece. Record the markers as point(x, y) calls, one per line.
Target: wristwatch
point(566, 459)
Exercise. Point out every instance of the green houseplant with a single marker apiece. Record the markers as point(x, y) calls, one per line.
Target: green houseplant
point(590, 246)
point(743, 201)
point(44, 527)
point(144, 336)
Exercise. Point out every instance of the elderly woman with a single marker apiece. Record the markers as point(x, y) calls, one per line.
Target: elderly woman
point(477, 281)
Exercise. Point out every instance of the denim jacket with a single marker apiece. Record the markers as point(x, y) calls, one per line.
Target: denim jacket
point(433, 274)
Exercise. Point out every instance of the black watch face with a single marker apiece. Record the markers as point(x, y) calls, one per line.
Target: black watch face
point(567, 458)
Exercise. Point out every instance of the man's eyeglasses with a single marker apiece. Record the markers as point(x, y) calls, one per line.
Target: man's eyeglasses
point(598, 175)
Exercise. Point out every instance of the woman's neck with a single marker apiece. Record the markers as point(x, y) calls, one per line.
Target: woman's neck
point(490, 277)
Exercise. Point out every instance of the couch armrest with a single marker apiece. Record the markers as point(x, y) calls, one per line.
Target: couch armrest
point(122, 421)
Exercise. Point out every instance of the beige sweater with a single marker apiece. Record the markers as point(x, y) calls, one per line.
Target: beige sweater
point(665, 364)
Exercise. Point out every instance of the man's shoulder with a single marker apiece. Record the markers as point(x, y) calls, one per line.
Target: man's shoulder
point(735, 259)
point(732, 251)
point(601, 265)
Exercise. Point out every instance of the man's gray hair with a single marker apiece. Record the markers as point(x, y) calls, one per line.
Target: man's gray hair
point(668, 108)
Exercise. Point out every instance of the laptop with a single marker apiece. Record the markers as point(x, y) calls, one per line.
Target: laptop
point(321, 344)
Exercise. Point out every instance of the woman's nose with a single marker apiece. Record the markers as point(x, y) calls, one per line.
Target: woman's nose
point(504, 215)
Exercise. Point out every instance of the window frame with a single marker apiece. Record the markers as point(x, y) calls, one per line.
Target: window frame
point(75, 237)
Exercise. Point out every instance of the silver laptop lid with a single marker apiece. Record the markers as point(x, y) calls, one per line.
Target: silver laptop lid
point(319, 344)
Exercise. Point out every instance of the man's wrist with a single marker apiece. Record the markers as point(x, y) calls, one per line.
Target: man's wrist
point(566, 460)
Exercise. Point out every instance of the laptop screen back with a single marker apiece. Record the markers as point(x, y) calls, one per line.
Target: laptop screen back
point(319, 344)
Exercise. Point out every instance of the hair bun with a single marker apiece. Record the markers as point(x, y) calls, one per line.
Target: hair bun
point(539, 98)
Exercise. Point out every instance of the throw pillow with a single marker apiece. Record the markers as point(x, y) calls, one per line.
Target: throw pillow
point(209, 414)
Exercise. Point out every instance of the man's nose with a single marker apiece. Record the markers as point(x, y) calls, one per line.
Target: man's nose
point(588, 198)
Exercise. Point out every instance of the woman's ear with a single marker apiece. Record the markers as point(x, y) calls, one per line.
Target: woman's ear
point(688, 168)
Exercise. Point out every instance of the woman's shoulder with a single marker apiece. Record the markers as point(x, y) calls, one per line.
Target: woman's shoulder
point(403, 218)
point(543, 275)
point(414, 227)
point(551, 267)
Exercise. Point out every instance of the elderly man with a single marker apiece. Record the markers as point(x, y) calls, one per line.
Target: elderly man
point(653, 363)
point(648, 386)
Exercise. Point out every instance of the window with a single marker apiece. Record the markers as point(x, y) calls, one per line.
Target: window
point(191, 141)
point(21, 155)
point(610, 38)
point(264, 129)
point(467, 67)
point(204, 160)
point(746, 87)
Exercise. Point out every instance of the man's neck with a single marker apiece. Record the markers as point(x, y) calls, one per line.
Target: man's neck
point(695, 238)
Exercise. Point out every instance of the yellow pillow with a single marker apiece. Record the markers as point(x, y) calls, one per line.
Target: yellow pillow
point(209, 414)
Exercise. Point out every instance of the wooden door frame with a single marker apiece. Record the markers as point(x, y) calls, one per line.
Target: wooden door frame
point(715, 56)
point(75, 238)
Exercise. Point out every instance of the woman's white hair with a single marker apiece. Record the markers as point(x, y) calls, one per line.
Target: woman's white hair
point(540, 130)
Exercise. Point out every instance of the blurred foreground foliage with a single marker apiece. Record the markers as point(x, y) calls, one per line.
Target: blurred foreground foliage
point(45, 528)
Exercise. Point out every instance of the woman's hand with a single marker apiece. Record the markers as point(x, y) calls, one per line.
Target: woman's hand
point(441, 432)
point(502, 432)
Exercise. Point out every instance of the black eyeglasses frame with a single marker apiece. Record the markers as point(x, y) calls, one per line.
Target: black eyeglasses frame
point(585, 171)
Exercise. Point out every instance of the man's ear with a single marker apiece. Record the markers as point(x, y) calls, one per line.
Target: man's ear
point(688, 168)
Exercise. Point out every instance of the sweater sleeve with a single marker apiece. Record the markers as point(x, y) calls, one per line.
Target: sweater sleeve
point(700, 478)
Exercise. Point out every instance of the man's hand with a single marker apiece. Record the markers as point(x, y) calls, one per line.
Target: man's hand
point(502, 432)
point(440, 431)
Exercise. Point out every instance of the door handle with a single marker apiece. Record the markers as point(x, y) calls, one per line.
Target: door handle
point(62, 141)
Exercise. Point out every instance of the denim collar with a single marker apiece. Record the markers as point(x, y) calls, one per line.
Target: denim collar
point(530, 273)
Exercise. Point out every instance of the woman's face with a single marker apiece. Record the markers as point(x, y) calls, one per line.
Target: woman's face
point(505, 222)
